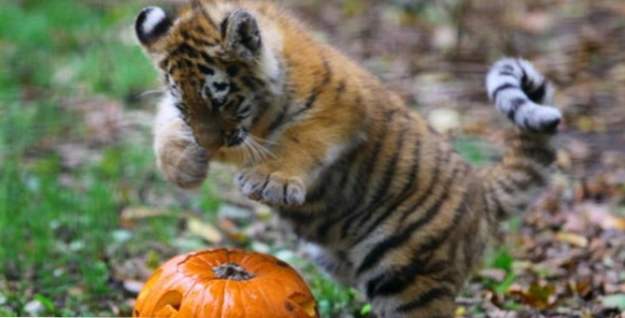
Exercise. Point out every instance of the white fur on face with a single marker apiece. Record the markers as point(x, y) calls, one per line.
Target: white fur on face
point(212, 88)
point(155, 15)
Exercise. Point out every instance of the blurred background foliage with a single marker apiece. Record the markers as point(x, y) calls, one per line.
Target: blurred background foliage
point(85, 217)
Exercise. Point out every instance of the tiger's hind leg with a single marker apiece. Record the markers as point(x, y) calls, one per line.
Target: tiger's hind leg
point(423, 283)
point(435, 301)
point(334, 264)
point(427, 299)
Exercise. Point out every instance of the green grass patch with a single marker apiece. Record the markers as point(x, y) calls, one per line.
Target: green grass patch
point(58, 227)
point(501, 259)
point(116, 69)
point(474, 150)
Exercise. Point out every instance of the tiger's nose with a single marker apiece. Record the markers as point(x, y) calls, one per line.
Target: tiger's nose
point(235, 137)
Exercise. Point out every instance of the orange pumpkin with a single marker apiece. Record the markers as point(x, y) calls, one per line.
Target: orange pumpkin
point(225, 283)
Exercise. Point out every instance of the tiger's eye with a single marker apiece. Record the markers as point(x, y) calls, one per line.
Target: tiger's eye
point(244, 112)
point(232, 70)
point(206, 70)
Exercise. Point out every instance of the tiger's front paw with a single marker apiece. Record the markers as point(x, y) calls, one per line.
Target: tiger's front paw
point(274, 189)
point(183, 163)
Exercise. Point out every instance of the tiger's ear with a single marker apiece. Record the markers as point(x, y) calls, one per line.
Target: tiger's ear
point(151, 24)
point(241, 34)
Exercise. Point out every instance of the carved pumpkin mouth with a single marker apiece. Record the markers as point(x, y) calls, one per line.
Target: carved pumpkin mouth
point(169, 304)
point(305, 302)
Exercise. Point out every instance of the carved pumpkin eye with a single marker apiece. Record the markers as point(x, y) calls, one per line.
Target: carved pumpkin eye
point(196, 281)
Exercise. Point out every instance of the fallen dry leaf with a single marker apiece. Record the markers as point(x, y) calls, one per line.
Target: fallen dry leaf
point(582, 287)
point(572, 238)
point(444, 120)
point(204, 230)
point(133, 286)
point(131, 215)
point(602, 216)
point(498, 275)
point(538, 295)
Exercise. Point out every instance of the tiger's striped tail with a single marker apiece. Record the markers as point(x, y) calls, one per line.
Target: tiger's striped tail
point(521, 93)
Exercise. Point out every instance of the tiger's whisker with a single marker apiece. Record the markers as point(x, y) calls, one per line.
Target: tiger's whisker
point(152, 92)
point(263, 140)
point(263, 148)
point(256, 157)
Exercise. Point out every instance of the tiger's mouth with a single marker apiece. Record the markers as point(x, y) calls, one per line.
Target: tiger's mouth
point(235, 138)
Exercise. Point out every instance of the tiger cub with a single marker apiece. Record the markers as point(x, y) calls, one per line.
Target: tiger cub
point(386, 204)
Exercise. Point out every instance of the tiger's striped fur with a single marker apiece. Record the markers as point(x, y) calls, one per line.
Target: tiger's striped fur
point(385, 203)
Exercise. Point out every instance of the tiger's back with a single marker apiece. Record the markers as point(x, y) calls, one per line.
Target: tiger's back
point(385, 202)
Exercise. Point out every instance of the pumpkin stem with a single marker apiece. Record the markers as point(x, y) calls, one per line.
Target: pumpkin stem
point(232, 271)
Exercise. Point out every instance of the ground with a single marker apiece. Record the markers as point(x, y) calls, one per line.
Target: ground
point(85, 216)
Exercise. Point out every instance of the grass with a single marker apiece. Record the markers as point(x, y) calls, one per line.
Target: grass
point(57, 225)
